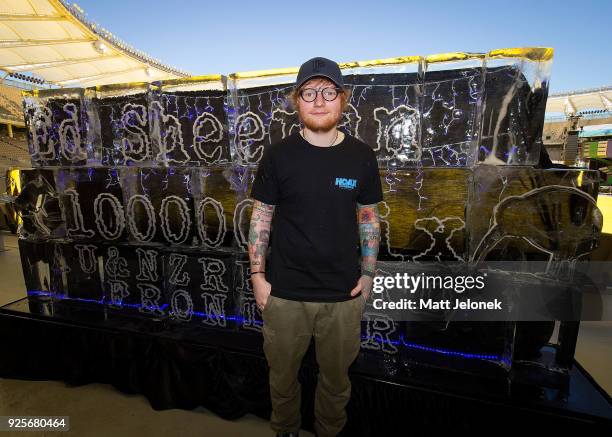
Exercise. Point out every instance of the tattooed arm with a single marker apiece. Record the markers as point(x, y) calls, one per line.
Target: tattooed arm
point(259, 238)
point(369, 238)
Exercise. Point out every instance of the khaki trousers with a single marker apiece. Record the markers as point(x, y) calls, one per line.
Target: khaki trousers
point(287, 330)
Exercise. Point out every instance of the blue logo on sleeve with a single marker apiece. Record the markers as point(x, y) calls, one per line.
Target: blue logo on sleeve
point(347, 184)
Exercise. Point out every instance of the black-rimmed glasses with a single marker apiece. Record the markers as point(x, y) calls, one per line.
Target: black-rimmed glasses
point(310, 94)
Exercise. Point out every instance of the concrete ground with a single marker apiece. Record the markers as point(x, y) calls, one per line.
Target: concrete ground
point(99, 410)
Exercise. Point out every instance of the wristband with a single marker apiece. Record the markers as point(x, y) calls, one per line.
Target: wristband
point(368, 273)
point(254, 273)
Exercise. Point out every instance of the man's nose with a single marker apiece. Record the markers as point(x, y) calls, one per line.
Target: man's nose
point(319, 100)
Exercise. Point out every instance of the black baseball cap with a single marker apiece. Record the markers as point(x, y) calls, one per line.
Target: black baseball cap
point(319, 67)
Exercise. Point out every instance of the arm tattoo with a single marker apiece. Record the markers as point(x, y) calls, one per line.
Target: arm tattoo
point(259, 234)
point(369, 235)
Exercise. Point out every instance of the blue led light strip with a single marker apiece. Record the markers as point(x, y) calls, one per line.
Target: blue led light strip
point(103, 301)
point(402, 341)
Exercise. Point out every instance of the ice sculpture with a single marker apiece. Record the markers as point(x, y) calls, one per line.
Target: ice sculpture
point(120, 124)
point(417, 223)
point(160, 205)
point(260, 112)
point(199, 288)
point(453, 91)
point(38, 206)
point(189, 121)
point(56, 128)
point(526, 213)
point(153, 184)
point(516, 91)
point(92, 202)
point(385, 107)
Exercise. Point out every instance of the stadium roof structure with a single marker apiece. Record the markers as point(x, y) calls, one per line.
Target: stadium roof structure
point(54, 41)
point(576, 101)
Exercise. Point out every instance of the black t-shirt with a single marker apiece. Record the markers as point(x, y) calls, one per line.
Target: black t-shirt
point(315, 237)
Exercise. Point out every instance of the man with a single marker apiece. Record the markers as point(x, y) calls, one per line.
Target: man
point(320, 189)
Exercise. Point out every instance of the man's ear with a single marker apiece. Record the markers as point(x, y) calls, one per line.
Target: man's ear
point(346, 96)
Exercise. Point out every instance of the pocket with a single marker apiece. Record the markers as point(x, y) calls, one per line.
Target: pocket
point(352, 329)
point(268, 303)
point(358, 312)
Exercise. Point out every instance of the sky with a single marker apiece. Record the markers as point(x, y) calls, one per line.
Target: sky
point(221, 37)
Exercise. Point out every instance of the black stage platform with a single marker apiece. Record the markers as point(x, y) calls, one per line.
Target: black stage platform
point(182, 366)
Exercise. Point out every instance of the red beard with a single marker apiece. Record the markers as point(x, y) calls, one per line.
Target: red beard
point(320, 124)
